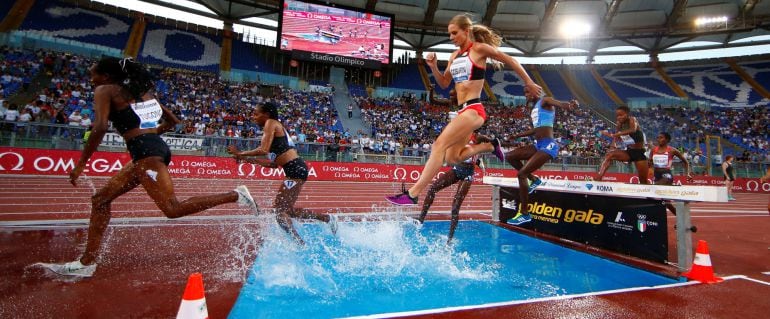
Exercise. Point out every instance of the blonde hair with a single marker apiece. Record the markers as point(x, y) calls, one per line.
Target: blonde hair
point(478, 32)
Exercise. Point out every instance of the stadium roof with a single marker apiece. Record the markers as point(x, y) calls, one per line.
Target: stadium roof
point(532, 26)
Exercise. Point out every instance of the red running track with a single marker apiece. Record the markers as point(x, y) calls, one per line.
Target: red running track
point(147, 258)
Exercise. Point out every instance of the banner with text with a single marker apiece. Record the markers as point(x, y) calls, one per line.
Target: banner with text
point(335, 59)
point(58, 162)
point(635, 227)
point(174, 143)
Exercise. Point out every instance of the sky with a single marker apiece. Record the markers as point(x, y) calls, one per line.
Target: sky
point(267, 37)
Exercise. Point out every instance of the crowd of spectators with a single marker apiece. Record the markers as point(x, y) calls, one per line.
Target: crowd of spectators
point(17, 68)
point(415, 124)
point(63, 101)
point(209, 106)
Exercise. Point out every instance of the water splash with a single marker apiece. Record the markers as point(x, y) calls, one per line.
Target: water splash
point(373, 253)
point(89, 182)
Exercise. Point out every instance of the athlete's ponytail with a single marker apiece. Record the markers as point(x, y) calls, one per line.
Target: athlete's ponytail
point(125, 72)
point(483, 34)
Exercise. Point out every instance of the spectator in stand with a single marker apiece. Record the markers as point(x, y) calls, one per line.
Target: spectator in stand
point(11, 115)
point(75, 118)
point(23, 121)
point(61, 116)
point(727, 170)
point(86, 121)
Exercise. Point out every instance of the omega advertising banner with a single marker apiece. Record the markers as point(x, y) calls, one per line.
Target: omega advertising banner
point(28, 161)
point(635, 227)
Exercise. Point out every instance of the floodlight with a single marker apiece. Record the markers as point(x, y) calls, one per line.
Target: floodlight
point(708, 21)
point(574, 29)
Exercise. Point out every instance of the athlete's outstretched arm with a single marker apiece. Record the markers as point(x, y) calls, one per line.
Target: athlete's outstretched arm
point(632, 127)
point(491, 52)
point(169, 119)
point(685, 162)
point(102, 99)
point(264, 147)
point(261, 162)
point(572, 104)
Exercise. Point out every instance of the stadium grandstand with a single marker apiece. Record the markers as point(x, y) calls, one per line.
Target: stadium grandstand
point(679, 65)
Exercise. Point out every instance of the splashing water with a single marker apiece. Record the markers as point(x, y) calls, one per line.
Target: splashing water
point(382, 254)
point(88, 181)
point(387, 264)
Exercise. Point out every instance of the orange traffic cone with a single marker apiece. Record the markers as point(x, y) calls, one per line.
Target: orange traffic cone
point(701, 267)
point(193, 301)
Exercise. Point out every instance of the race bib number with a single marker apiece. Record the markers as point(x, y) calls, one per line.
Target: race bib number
point(627, 140)
point(660, 160)
point(459, 70)
point(288, 138)
point(149, 113)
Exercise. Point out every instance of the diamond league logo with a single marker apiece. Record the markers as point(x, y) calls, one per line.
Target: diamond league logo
point(589, 186)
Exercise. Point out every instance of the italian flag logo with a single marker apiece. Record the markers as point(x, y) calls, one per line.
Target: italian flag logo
point(641, 225)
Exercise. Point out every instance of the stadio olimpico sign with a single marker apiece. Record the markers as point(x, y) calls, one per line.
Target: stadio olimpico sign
point(335, 59)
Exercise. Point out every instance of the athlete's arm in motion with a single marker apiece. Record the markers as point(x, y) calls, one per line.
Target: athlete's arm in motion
point(570, 105)
point(489, 51)
point(102, 98)
point(169, 120)
point(442, 78)
point(633, 125)
point(264, 147)
point(259, 161)
point(685, 162)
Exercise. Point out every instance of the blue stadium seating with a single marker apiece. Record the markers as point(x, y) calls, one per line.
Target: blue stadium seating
point(504, 82)
point(409, 78)
point(180, 49)
point(588, 82)
point(60, 20)
point(558, 88)
point(357, 90)
point(627, 86)
point(246, 57)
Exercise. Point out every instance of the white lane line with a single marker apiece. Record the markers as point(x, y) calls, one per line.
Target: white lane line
point(518, 302)
point(759, 281)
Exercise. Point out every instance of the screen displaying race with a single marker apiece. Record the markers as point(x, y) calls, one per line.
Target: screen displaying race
point(308, 26)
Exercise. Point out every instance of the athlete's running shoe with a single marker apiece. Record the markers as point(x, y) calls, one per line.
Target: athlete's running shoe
point(520, 219)
point(534, 184)
point(73, 268)
point(402, 199)
point(245, 199)
point(498, 150)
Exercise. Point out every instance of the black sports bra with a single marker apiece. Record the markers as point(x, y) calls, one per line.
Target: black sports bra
point(145, 114)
